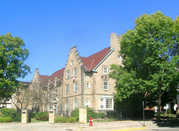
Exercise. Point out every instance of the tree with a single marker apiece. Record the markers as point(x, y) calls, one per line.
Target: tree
point(12, 56)
point(22, 97)
point(150, 60)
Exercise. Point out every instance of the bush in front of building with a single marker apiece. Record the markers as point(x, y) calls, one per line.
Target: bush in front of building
point(8, 112)
point(32, 115)
point(101, 115)
point(60, 119)
point(5, 119)
point(90, 113)
point(17, 118)
point(72, 119)
point(42, 116)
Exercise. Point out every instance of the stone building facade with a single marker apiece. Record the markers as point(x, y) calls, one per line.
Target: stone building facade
point(84, 81)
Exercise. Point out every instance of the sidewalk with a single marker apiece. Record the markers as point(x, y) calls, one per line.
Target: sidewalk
point(97, 126)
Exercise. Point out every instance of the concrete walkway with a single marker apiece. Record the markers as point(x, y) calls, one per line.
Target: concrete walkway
point(97, 126)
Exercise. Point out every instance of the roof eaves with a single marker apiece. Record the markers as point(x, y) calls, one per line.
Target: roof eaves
point(94, 70)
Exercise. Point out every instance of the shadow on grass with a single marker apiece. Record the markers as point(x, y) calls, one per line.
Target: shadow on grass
point(167, 122)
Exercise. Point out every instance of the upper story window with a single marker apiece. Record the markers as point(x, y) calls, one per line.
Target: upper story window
point(67, 74)
point(75, 86)
point(66, 89)
point(105, 70)
point(105, 85)
point(87, 85)
point(55, 84)
point(74, 72)
point(71, 62)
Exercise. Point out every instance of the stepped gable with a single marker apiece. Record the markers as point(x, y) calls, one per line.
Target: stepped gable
point(92, 61)
point(44, 80)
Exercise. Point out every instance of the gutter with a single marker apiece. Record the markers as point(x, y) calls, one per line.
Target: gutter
point(94, 70)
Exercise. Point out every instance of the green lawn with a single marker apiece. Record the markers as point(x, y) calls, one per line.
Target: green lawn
point(33, 120)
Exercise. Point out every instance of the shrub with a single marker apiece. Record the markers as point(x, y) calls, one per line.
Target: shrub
point(42, 116)
point(59, 119)
point(32, 115)
point(72, 119)
point(1, 119)
point(7, 112)
point(5, 119)
point(90, 113)
point(17, 118)
point(101, 115)
point(75, 113)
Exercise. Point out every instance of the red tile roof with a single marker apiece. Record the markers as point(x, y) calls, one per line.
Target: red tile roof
point(89, 64)
point(44, 79)
point(92, 61)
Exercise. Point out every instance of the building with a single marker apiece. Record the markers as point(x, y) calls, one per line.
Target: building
point(83, 82)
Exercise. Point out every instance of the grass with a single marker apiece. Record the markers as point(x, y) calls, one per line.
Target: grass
point(33, 120)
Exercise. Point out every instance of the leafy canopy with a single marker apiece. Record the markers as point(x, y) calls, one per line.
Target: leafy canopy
point(150, 59)
point(12, 56)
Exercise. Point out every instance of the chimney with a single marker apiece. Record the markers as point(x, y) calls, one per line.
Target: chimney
point(114, 40)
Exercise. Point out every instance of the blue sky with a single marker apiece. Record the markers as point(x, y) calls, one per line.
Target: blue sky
point(49, 27)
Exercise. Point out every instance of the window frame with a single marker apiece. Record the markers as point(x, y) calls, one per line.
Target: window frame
point(75, 71)
point(75, 105)
point(105, 85)
point(87, 86)
point(66, 107)
point(87, 103)
point(105, 72)
point(66, 89)
point(104, 104)
point(67, 74)
point(75, 86)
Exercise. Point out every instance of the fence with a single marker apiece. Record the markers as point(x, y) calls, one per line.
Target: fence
point(119, 115)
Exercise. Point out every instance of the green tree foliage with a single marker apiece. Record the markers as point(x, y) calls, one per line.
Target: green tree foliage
point(12, 56)
point(150, 60)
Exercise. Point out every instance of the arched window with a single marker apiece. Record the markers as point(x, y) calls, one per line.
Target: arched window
point(75, 104)
point(87, 102)
point(66, 107)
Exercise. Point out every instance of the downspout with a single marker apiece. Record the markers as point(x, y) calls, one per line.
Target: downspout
point(84, 89)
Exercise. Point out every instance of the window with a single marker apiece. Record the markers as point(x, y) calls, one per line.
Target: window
point(106, 103)
point(66, 89)
point(4, 105)
point(67, 74)
point(75, 86)
point(75, 104)
point(105, 70)
point(87, 85)
point(105, 85)
point(87, 102)
point(55, 84)
point(55, 93)
point(66, 108)
point(74, 72)
point(71, 62)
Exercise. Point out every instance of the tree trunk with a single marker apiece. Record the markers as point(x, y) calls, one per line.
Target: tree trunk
point(159, 102)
